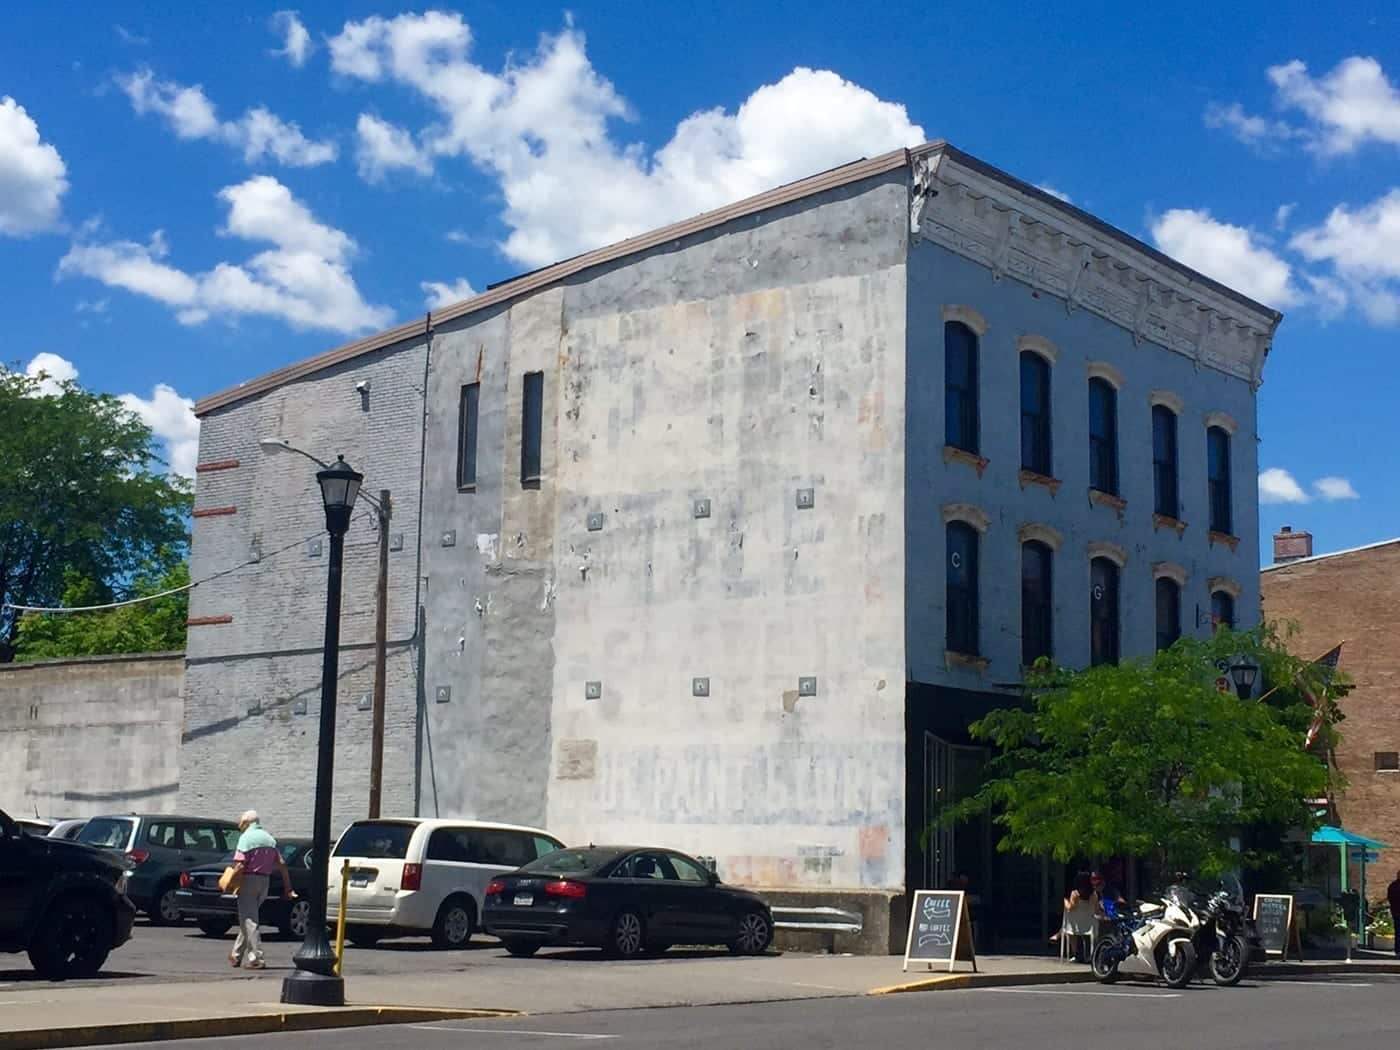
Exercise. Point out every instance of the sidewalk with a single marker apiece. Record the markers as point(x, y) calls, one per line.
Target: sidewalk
point(53, 1015)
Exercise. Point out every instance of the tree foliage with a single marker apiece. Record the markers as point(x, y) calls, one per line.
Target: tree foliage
point(1148, 759)
point(82, 497)
point(148, 627)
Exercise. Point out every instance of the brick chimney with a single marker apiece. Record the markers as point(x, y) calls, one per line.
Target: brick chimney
point(1290, 545)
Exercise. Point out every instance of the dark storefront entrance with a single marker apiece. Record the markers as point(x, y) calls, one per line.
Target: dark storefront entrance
point(942, 766)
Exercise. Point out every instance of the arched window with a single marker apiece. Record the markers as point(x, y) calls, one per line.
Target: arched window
point(1037, 602)
point(1103, 436)
point(1164, 462)
point(1168, 612)
point(1218, 471)
point(1103, 612)
point(1035, 413)
point(960, 386)
point(962, 588)
point(1222, 609)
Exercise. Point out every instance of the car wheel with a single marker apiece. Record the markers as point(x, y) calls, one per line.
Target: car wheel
point(298, 917)
point(363, 936)
point(522, 949)
point(215, 927)
point(755, 934)
point(456, 920)
point(73, 939)
point(166, 910)
point(626, 936)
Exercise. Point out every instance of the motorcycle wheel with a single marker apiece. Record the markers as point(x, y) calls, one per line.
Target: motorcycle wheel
point(1227, 963)
point(1104, 961)
point(1177, 969)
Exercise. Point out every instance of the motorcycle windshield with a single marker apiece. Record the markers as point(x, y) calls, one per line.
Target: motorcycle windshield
point(1181, 896)
point(1230, 886)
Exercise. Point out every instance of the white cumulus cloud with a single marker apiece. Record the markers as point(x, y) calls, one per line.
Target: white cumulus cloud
point(1265, 134)
point(1363, 247)
point(1276, 485)
point(52, 371)
point(1335, 489)
point(543, 128)
point(1353, 104)
point(259, 134)
point(1057, 194)
point(303, 279)
point(296, 41)
point(442, 294)
point(172, 420)
point(1233, 255)
point(33, 177)
point(383, 147)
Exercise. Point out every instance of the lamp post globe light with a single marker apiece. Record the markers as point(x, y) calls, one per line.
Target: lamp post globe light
point(314, 982)
point(1244, 673)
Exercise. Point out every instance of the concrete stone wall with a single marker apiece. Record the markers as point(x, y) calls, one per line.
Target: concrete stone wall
point(88, 736)
point(758, 360)
point(255, 641)
point(1354, 598)
point(937, 279)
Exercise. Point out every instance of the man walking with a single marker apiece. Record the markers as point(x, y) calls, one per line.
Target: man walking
point(1392, 894)
point(255, 858)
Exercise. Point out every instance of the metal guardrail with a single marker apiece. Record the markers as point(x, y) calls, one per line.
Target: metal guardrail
point(828, 921)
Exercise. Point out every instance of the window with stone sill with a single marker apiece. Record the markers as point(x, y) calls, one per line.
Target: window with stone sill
point(1164, 463)
point(1035, 414)
point(961, 591)
point(1103, 436)
point(531, 429)
point(1168, 612)
point(1103, 612)
point(1218, 475)
point(960, 405)
point(1388, 761)
point(1222, 610)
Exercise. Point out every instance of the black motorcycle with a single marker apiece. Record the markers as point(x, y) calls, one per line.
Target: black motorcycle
point(1222, 938)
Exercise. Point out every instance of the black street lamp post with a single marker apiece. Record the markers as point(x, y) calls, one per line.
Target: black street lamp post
point(314, 982)
point(1244, 674)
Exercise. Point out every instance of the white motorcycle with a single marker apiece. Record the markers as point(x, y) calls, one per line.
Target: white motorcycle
point(1156, 942)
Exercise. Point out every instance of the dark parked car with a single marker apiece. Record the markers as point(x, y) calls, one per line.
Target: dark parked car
point(626, 900)
point(216, 913)
point(61, 902)
point(158, 848)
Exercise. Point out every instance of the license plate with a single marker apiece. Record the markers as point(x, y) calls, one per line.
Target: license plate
point(359, 883)
point(524, 900)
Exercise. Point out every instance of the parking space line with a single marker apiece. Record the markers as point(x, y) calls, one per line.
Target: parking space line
point(448, 1027)
point(1066, 991)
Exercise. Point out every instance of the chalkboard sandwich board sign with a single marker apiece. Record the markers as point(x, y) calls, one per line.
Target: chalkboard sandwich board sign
point(1276, 924)
point(940, 930)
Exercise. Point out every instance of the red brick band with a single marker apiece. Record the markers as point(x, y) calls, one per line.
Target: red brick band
point(221, 464)
point(207, 621)
point(214, 512)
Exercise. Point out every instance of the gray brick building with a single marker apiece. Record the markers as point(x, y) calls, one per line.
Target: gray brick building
point(720, 536)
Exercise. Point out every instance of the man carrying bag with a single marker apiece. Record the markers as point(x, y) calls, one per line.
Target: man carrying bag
point(254, 860)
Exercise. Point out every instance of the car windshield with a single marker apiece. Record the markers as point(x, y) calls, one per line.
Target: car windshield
point(375, 839)
point(106, 832)
point(572, 861)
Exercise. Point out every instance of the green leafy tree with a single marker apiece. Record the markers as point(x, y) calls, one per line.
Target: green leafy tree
point(153, 626)
point(82, 498)
point(1149, 759)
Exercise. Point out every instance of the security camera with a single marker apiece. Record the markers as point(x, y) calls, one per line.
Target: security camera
point(362, 386)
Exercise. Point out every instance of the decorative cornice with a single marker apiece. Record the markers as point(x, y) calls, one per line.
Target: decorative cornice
point(1223, 420)
point(1031, 531)
point(1014, 231)
point(969, 513)
point(1105, 371)
point(1111, 551)
point(1038, 344)
point(966, 315)
point(1167, 399)
point(1171, 570)
point(1226, 584)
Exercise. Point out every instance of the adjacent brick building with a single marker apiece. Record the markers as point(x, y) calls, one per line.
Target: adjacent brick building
point(1353, 597)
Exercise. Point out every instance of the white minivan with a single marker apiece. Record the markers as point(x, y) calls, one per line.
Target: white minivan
point(412, 877)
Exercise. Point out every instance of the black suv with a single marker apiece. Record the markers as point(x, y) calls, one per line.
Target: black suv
point(63, 903)
point(158, 847)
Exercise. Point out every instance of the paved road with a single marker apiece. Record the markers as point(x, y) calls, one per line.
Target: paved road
point(183, 953)
point(1276, 1014)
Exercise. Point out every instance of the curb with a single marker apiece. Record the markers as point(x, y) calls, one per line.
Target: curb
point(1302, 969)
point(247, 1024)
point(950, 982)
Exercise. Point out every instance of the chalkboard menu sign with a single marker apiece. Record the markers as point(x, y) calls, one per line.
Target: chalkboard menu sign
point(940, 930)
point(1273, 920)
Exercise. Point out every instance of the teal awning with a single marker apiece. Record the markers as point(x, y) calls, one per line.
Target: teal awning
point(1328, 835)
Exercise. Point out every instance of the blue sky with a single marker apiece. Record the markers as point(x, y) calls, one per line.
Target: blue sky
point(191, 196)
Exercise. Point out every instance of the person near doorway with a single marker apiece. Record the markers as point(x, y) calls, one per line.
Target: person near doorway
point(254, 860)
point(1078, 925)
point(1392, 895)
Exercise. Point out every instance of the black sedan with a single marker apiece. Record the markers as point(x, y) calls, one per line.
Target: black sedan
point(627, 900)
point(216, 913)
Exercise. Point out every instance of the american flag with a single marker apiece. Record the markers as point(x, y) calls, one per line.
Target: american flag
point(1326, 666)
